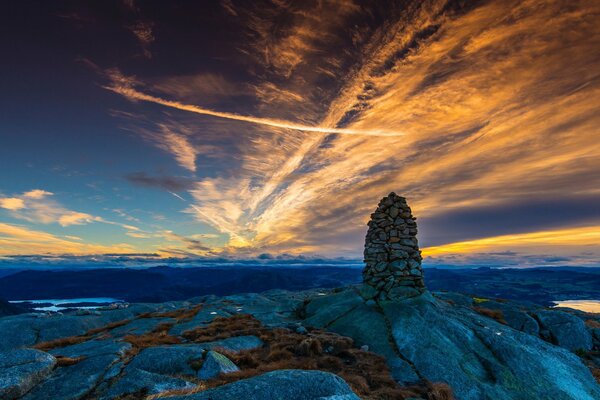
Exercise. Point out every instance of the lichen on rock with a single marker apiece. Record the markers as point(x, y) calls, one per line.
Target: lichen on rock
point(392, 256)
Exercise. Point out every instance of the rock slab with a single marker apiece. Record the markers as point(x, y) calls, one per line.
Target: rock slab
point(282, 384)
point(22, 369)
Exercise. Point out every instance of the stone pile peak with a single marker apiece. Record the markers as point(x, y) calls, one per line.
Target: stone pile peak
point(392, 256)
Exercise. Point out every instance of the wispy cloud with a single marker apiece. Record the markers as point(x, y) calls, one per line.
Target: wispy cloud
point(143, 31)
point(16, 239)
point(38, 206)
point(134, 94)
point(455, 107)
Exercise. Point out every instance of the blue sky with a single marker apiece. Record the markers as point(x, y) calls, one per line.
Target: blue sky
point(226, 129)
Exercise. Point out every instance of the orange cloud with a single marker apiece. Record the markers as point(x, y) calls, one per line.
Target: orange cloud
point(15, 239)
point(12, 203)
point(580, 237)
point(492, 105)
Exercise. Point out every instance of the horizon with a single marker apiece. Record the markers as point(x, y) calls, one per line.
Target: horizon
point(138, 133)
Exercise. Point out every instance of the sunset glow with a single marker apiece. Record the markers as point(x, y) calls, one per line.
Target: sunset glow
point(275, 129)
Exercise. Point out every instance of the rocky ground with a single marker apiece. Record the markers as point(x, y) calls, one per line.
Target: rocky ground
point(314, 344)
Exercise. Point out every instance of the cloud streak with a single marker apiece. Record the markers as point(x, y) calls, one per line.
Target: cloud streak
point(134, 94)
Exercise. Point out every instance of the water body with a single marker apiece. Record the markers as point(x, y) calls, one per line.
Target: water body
point(591, 306)
point(62, 304)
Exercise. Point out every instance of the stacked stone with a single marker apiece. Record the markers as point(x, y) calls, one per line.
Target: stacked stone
point(393, 260)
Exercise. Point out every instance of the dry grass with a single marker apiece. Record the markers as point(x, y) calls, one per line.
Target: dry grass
point(367, 373)
point(71, 340)
point(224, 327)
point(498, 315)
point(159, 336)
point(592, 323)
point(180, 315)
point(63, 361)
point(61, 342)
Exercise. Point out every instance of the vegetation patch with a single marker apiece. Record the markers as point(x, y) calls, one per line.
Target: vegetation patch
point(63, 361)
point(588, 359)
point(498, 315)
point(367, 373)
point(159, 336)
point(592, 323)
point(71, 340)
point(180, 315)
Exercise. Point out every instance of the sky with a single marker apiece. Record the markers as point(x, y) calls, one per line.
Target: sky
point(229, 129)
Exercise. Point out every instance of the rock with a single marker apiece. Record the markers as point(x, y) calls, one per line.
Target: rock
point(565, 330)
point(481, 359)
point(301, 330)
point(325, 309)
point(515, 315)
point(235, 344)
point(169, 360)
point(215, 364)
point(92, 348)
point(390, 259)
point(79, 380)
point(73, 382)
point(22, 369)
point(135, 380)
point(366, 326)
point(140, 326)
point(282, 384)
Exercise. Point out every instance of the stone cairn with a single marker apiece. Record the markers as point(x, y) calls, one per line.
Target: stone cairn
point(393, 260)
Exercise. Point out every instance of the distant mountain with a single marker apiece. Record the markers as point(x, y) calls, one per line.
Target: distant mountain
point(537, 285)
point(164, 283)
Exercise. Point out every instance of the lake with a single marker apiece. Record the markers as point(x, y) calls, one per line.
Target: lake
point(591, 306)
point(63, 304)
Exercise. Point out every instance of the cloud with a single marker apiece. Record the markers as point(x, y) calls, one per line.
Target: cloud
point(483, 107)
point(39, 207)
point(16, 239)
point(37, 194)
point(134, 94)
point(170, 183)
point(76, 218)
point(580, 237)
point(12, 203)
point(143, 31)
point(181, 148)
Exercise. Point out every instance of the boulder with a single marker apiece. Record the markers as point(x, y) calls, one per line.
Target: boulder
point(22, 369)
point(282, 384)
point(235, 344)
point(515, 315)
point(564, 329)
point(73, 382)
point(170, 360)
point(478, 357)
point(92, 348)
point(215, 364)
point(136, 380)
